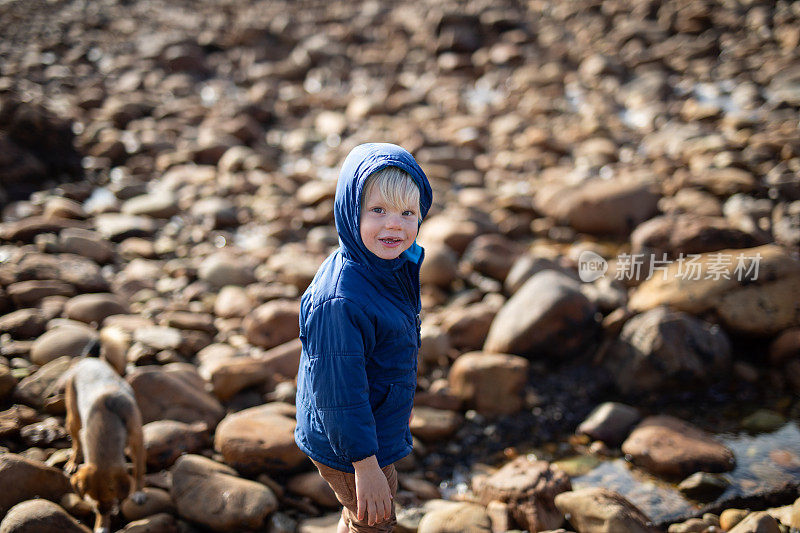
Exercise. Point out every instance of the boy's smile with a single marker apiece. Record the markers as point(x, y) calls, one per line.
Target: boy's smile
point(387, 231)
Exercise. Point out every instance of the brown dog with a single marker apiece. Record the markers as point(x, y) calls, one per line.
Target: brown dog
point(105, 424)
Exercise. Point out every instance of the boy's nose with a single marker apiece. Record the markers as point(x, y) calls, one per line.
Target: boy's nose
point(394, 221)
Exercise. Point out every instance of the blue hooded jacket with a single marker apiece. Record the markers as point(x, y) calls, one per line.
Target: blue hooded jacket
point(359, 327)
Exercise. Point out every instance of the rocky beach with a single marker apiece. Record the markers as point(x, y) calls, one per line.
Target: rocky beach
point(611, 288)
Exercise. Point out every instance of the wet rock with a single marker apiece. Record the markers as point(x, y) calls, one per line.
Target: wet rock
point(94, 308)
point(166, 440)
point(661, 348)
point(260, 439)
point(600, 206)
point(489, 383)
point(273, 323)
point(25, 479)
point(763, 421)
point(30, 293)
point(212, 494)
point(456, 517)
point(23, 323)
point(597, 510)
point(434, 424)
point(41, 516)
point(224, 269)
point(730, 517)
point(760, 522)
point(703, 487)
point(529, 489)
point(610, 422)
point(691, 526)
point(671, 447)
point(164, 395)
point(548, 317)
point(313, 486)
point(688, 234)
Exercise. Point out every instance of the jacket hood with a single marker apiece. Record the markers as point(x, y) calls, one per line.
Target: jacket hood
point(362, 161)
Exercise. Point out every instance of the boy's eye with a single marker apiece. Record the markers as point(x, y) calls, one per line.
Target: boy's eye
point(408, 213)
point(378, 210)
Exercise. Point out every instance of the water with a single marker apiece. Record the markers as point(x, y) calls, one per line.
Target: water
point(765, 464)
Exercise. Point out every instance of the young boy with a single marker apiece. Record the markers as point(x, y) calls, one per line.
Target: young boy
point(359, 327)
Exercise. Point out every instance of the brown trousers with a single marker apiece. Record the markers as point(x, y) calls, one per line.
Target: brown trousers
point(344, 486)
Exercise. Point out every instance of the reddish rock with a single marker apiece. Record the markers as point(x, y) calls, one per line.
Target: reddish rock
point(667, 446)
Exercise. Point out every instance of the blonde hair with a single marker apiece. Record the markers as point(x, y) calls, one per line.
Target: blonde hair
point(396, 187)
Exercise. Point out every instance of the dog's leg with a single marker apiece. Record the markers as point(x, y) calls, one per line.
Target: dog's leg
point(73, 423)
point(102, 522)
point(136, 451)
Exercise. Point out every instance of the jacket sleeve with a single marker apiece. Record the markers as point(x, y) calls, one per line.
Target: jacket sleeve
point(339, 336)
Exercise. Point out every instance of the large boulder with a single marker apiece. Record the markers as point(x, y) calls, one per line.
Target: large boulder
point(273, 323)
point(752, 291)
point(489, 383)
point(213, 495)
point(528, 488)
point(24, 479)
point(166, 440)
point(667, 446)
point(600, 206)
point(689, 234)
point(660, 349)
point(260, 439)
point(548, 317)
point(68, 340)
point(171, 395)
point(599, 510)
point(40, 516)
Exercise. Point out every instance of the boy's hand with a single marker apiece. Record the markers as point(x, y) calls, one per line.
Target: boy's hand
point(372, 492)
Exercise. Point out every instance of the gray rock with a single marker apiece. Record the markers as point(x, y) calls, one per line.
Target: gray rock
point(548, 317)
point(610, 422)
point(660, 348)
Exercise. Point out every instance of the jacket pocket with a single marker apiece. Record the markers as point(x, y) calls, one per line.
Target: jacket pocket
point(391, 416)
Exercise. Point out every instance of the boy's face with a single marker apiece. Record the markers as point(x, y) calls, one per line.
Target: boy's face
point(387, 231)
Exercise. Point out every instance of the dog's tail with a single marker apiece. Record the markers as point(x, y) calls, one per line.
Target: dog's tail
point(92, 348)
